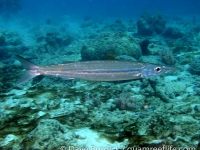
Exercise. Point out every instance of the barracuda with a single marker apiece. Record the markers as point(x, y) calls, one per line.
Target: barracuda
point(94, 70)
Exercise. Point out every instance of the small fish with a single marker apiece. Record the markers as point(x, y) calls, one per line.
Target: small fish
point(112, 70)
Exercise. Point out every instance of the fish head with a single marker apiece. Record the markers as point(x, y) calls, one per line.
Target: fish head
point(156, 70)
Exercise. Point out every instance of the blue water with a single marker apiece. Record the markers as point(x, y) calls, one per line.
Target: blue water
point(111, 8)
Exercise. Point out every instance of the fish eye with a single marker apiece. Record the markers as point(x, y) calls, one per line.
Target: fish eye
point(157, 69)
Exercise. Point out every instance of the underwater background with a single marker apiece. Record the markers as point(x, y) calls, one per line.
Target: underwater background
point(54, 113)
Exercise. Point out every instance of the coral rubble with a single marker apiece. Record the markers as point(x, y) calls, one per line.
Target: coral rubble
point(108, 44)
point(54, 113)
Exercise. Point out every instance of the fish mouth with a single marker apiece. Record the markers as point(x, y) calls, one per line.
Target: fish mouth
point(169, 69)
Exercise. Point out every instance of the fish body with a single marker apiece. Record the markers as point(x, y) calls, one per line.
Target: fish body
point(94, 70)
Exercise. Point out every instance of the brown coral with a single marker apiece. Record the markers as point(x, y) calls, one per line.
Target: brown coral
point(115, 44)
point(125, 102)
point(167, 57)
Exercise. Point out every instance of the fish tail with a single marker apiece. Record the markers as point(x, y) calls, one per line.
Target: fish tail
point(31, 70)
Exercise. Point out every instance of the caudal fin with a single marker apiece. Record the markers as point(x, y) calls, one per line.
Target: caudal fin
point(30, 70)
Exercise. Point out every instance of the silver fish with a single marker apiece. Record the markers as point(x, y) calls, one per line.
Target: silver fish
point(94, 70)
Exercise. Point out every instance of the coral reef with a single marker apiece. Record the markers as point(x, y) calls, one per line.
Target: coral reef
point(88, 22)
point(143, 27)
point(167, 57)
point(111, 44)
point(48, 112)
point(10, 42)
point(195, 66)
point(149, 25)
point(173, 32)
point(54, 39)
point(2, 39)
point(125, 102)
point(117, 26)
point(144, 47)
point(182, 44)
point(40, 138)
point(173, 89)
point(151, 114)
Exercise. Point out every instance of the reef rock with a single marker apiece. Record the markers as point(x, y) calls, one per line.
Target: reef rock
point(108, 46)
point(144, 28)
point(195, 66)
point(48, 134)
point(173, 32)
point(149, 25)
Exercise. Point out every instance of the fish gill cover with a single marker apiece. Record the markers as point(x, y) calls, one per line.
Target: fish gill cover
point(53, 113)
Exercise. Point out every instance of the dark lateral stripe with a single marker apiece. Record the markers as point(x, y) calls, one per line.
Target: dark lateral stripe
point(111, 70)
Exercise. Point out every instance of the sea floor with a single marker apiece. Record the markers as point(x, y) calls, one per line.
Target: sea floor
point(54, 113)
